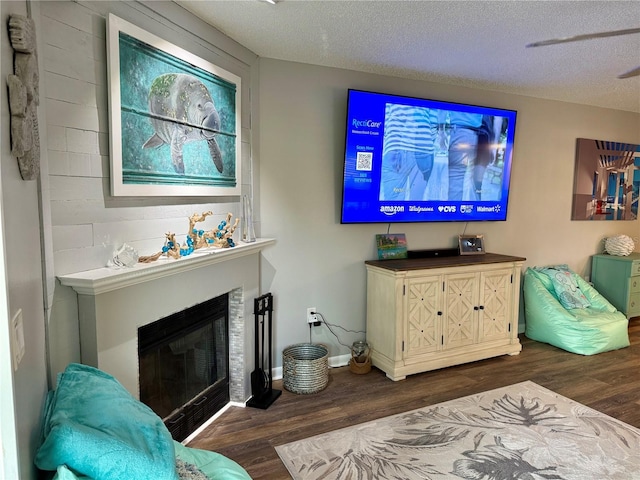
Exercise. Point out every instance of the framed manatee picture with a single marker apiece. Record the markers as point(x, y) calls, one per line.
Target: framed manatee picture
point(174, 118)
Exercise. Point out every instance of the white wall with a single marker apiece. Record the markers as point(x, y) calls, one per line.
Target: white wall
point(317, 262)
point(24, 291)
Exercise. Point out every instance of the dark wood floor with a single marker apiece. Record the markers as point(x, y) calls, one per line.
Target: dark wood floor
point(608, 382)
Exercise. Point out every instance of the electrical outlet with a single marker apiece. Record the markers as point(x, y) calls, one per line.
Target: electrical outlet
point(312, 317)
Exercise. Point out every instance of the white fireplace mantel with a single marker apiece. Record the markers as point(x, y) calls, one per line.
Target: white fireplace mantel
point(102, 280)
point(114, 303)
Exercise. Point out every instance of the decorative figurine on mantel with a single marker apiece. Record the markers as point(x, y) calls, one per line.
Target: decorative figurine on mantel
point(220, 237)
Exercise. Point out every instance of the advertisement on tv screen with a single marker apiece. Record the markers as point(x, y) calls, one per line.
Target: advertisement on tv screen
point(416, 160)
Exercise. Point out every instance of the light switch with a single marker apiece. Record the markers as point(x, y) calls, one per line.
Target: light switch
point(17, 339)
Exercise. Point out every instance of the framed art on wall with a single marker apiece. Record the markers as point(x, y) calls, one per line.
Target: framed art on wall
point(174, 118)
point(606, 184)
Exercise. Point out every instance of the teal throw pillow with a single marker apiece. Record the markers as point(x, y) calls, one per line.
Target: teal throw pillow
point(566, 288)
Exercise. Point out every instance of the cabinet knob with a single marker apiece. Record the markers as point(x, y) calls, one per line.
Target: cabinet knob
point(439, 313)
point(476, 308)
point(481, 307)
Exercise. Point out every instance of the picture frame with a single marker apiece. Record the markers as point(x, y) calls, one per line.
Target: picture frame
point(175, 118)
point(606, 182)
point(391, 246)
point(471, 244)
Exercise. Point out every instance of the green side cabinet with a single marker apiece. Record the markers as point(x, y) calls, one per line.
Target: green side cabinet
point(618, 280)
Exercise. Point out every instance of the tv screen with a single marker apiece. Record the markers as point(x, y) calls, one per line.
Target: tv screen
point(417, 160)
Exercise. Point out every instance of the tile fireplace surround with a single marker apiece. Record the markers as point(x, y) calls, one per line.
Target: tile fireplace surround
point(113, 303)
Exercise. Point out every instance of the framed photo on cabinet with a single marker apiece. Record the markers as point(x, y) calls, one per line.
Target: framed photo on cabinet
point(391, 246)
point(471, 244)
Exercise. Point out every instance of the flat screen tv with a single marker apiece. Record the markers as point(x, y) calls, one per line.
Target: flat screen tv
point(417, 160)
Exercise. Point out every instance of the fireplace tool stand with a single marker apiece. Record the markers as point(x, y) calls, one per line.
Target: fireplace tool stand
point(263, 395)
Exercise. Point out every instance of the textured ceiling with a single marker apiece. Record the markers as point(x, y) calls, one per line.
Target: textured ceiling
point(478, 44)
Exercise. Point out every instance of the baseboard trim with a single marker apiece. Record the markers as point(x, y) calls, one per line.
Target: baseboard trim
point(201, 428)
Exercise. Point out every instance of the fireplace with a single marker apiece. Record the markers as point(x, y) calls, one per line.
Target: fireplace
point(113, 304)
point(184, 365)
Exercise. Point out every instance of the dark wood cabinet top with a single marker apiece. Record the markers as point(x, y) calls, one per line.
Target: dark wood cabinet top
point(440, 262)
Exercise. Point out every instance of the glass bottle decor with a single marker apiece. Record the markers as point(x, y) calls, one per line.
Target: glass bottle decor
point(248, 233)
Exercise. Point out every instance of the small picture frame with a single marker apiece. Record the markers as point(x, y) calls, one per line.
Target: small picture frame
point(391, 246)
point(471, 244)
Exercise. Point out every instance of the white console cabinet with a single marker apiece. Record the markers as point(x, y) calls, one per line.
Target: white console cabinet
point(429, 313)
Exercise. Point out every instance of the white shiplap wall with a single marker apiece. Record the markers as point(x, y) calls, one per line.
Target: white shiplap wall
point(86, 222)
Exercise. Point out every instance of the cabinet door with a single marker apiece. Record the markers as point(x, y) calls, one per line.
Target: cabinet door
point(422, 327)
point(460, 319)
point(495, 305)
point(610, 276)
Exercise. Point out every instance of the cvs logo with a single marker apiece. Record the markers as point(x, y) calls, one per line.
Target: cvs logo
point(447, 208)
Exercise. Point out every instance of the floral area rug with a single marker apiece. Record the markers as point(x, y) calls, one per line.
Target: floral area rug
point(522, 431)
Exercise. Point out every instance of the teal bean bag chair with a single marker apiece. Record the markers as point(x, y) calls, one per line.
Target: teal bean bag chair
point(93, 429)
point(565, 311)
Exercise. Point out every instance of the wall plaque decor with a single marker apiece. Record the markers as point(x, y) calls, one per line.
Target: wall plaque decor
point(606, 180)
point(24, 97)
point(174, 118)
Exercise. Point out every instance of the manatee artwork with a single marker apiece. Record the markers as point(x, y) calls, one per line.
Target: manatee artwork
point(182, 111)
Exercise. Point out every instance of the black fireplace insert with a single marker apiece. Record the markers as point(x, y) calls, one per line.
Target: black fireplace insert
point(184, 365)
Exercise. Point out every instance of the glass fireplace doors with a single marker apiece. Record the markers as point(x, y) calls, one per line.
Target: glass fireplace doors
point(184, 365)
